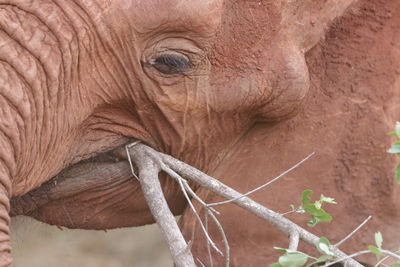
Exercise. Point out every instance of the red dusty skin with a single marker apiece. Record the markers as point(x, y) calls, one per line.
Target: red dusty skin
point(352, 104)
point(189, 78)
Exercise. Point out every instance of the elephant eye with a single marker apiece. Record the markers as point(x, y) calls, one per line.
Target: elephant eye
point(171, 64)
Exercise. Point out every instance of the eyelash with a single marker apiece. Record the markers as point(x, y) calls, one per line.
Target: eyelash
point(171, 64)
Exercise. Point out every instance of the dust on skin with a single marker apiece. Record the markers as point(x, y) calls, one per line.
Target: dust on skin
point(87, 86)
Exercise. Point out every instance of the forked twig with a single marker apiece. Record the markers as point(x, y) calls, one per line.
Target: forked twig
point(148, 173)
point(208, 211)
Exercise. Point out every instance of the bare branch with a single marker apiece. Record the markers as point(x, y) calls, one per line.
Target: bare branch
point(150, 162)
point(266, 184)
point(219, 188)
point(148, 173)
point(353, 232)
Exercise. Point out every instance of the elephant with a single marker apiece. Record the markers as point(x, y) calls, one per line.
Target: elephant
point(206, 82)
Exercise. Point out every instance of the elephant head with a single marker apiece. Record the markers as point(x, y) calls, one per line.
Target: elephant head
point(81, 79)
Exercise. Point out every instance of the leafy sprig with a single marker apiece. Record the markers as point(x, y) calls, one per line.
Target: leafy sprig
point(315, 209)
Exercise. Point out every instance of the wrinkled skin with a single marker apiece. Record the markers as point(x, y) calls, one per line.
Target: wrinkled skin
point(190, 78)
point(352, 104)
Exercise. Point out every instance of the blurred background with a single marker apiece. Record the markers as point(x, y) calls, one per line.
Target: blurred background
point(39, 245)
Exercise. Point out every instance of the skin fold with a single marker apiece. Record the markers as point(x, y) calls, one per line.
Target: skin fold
point(79, 79)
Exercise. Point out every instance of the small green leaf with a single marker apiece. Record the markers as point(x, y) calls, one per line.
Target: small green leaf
point(292, 207)
point(325, 249)
point(305, 196)
point(323, 246)
point(396, 264)
point(276, 264)
point(324, 240)
point(374, 250)
point(378, 239)
point(397, 129)
point(294, 259)
point(395, 149)
point(319, 215)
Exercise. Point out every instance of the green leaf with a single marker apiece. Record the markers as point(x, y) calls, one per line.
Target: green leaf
point(276, 264)
point(397, 129)
point(323, 246)
point(305, 196)
point(324, 240)
point(378, 239)
point(396, 264)
point(374, 250)
point(318, 213)
point(398, 174)
point(395, 149)
point(293, 259)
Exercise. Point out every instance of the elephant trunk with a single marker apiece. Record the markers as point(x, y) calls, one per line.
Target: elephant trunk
point(5, 190)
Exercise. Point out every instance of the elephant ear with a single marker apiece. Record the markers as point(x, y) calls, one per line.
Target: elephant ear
point(308, 20)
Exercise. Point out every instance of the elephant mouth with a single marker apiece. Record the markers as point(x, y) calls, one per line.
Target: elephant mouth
point(95, 193)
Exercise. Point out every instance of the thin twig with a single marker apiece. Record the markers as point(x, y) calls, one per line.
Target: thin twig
point(127, 147)
point(288, 212)
point(353, 232)
point(381, 261)
point(208, 244)
point(392, 254)
point(208, 210)
point(348, 257)
point(202, 264)
point(179, 180)
point(384, 251)
point(264, 185)
point(224, 239)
